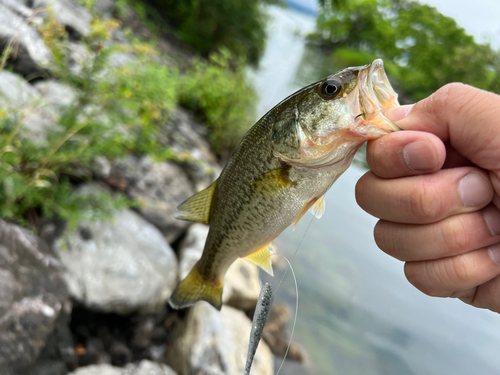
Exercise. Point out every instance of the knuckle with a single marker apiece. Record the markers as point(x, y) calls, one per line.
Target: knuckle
point(426, 203)
point(425, 276)
point(460, 269)
point(454, 235)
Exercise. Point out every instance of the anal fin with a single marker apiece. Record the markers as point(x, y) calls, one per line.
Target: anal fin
point(262, 258)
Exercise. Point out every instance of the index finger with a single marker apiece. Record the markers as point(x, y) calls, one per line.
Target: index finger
point(466, 117)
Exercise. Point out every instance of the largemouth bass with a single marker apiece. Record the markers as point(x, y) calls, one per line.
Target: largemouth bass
point(282, 168)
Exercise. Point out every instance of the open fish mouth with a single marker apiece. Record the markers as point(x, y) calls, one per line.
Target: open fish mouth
point(375, 95)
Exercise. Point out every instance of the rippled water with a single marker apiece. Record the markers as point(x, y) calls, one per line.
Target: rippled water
point(357, 313)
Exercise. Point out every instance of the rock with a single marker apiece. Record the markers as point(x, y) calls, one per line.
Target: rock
point(58, 353)
point(49, 368)
point(145, 367)
point(120, 354)
point(105, 7)
point(68, 13)
point(191, 248)
point(120, 266)
point(32, 57)
point(210, 342)
point(188, 138)
point(241, 285)
point(18, 96)
point(32, 297)
point(102, 369)
point(56, 95)
point(275, 334)
point(158, 187)
point(19, 7)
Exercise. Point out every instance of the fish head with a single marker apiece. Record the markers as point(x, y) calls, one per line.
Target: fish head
point(326, 122)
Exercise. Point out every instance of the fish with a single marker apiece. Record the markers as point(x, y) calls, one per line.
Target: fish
point(259, 321)
point(282, 168)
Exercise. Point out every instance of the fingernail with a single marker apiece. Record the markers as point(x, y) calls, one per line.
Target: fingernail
point(491, 216)
point(420, 155)
point(398, 113)
point(494, 252)
point(475, 190)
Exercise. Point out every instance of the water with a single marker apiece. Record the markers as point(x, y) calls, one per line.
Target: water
point(357, 312)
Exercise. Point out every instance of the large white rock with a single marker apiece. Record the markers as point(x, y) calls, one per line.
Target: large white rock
point(32, 297)
point(145, 367)
point(210, 342)
point(32, 56)
point(120, 266)
point(19, 97)
point(69, 13)
point(158, 187)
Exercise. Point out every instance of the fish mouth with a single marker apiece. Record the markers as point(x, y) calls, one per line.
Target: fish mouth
point(375, 95)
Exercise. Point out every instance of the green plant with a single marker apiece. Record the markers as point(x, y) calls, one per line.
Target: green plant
point(238, 25)
point(116, 111)
point(222, 97)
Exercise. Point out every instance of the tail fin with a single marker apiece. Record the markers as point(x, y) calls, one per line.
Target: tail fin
point(192, 289)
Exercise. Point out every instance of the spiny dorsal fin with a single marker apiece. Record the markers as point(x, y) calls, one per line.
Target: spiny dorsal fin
point(197, 208)
point(318, 208)
point(262, 258)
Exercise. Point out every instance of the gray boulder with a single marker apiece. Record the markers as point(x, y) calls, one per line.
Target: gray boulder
point(120, 266)
point(210, 342)
point(32, 56)
point(32, 297)
point(68, 13)
point(158, 187)
point(18, 96)
point(241, 285)
point(188, 138)
point(57, 95)
point(145, 367)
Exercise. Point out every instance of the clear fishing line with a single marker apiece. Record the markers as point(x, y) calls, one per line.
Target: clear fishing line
point(273, 292)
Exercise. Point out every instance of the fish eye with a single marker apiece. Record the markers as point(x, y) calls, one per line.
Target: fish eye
point(330, 88)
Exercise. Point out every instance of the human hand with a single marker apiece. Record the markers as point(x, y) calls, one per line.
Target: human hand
point(436, 189)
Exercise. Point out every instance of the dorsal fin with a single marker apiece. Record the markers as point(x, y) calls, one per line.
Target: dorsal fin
point(318, 208)
point(197, 208)
point(262, 258)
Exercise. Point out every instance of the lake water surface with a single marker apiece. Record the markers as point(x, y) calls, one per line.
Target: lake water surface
point(357, 312)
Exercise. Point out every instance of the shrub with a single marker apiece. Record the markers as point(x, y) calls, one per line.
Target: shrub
point(238, 25)
point(222, 97)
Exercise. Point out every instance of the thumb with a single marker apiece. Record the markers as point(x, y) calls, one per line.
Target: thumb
point(466, 117)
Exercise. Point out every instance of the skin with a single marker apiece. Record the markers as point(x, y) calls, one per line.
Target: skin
point(436, 189)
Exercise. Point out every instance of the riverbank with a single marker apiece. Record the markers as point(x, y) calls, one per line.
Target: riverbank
point(96, 155)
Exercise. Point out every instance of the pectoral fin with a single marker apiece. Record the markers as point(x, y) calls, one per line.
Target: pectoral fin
point(197, 208)
point(317, 207)
point(262, 258)
point(273, 181)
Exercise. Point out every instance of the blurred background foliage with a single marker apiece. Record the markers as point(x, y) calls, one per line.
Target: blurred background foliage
point(422, 49)
point(238, 25)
